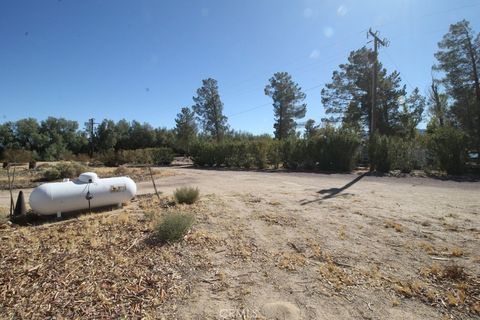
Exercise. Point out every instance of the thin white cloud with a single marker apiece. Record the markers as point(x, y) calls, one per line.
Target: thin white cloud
point(328, 32)
point(315, 54)
point(308, 13)
point(205, 12)
point(342, 10)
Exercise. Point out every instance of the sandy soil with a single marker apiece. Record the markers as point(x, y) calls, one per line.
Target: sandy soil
point(317, 246)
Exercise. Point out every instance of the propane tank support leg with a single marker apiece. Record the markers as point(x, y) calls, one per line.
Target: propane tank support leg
point(59, 214)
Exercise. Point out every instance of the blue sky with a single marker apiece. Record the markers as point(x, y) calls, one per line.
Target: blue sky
point(144, 60)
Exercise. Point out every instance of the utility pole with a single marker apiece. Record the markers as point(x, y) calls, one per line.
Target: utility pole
point(91, 124)
point(376, 42)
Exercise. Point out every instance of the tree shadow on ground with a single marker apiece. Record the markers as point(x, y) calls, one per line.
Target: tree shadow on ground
point(333, 192)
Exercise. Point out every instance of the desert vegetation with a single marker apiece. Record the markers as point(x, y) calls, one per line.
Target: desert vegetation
point(173, 227)
point(186, 195)
point(387, 256)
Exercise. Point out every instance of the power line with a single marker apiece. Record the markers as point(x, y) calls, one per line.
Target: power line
point(269, 103)
point(335, 44)
point(342, 40)
point(396, 67)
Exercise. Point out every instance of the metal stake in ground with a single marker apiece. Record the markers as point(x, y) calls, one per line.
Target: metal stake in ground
point(10, 187)
point(153, 181)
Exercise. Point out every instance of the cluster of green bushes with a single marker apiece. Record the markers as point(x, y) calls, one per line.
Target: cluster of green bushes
point(239, 154)
point(395, 153)
point(443, 148)
point(330, 149)
point(63, 170)
point(447, 148)
point(156, 156)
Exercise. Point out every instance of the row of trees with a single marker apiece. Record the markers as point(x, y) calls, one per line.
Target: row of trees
point(452, 104)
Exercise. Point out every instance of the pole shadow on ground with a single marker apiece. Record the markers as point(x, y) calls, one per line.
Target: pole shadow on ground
point(333, 192)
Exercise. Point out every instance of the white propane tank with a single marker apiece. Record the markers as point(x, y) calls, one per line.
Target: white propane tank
point(58, 197)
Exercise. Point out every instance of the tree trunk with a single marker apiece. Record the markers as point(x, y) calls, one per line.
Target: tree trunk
point(438, 104)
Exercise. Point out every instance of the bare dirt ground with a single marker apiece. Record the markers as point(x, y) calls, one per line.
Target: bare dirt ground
point(265, 246)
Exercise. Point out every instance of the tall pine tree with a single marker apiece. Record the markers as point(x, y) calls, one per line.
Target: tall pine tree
point(459, 58)
point(209, 109)
point(348, 98)
point(288, 103)
point(185, 129)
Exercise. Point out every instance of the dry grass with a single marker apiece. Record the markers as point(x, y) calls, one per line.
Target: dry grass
point(102, 266)
point(456, 252)
point(291, 260)
point(97, 266)
point(394, 225)
point(342, 235)
point(336, 275)
point(276, 219)
point(24, 178)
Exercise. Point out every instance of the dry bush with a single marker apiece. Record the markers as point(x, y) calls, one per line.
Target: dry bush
point(453, 272)
point(394, 225)
point(456, 252)
point(291, 261)
point(336, 275)
point(121, 171)
point(427, 247)
point(403, 289)
point(186, 195)
point(173, 227)
point(450, 272)
point(342, 235)
point(203, 239)
point(64, 170)
point(456, 298)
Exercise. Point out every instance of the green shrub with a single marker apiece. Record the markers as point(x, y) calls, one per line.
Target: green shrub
point(186, 195)
point(161, 156)
point(17, 156)
point(51, 174)
point(448, 145)
point(64, 170)
point(203, 153)
point(379, 147)
point(156, 156)
point(335, 149)
point(121, 171)
point(111, 158)
point(259, 153)
point(294, 152)
point(406, 155)
point(274, 153)
point(173, 227)
point(332, 150)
